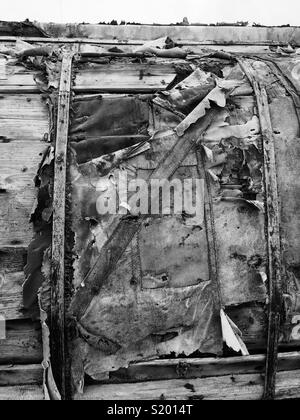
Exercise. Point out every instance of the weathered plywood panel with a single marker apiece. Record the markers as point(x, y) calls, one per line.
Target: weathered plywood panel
point(238, 387)
point(21, 393)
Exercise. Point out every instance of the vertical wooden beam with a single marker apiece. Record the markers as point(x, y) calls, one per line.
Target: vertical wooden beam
point(58, 342)
point(273, 242)
point(272, 230)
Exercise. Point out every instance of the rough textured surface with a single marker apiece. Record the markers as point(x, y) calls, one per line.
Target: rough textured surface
point(160, 299)
point(239, 387)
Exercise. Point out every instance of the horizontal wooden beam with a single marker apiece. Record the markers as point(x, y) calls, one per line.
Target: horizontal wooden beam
point(11, 375)
point(18, 90)
point(11, 299)
point(229, 387)
point(118, 77)
point(200, 368)
point(21, 393)
point(137, 42)
point(89, 89)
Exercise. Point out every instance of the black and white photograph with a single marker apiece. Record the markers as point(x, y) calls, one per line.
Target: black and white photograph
point(149, 203)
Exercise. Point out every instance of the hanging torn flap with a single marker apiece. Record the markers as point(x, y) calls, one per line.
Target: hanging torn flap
point(232, 336)
point(216, 96)
point(188, 93)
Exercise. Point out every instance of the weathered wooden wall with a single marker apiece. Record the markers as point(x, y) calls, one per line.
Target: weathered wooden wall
point(24, 126)
point(24, 129)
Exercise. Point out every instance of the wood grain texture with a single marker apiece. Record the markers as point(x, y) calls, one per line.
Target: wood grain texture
point(22, 343)
point(12, 258)
point(16, 375)
point(17, 75)
point(18, 167)
point(24, 123)
point(11, 299)
point(129, 76)
point(115, 77)
point(23, 118)
point(22, 393)
point(201, 368)
point(230, 387)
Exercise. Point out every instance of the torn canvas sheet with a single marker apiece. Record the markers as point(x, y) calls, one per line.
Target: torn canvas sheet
point(147, 324)
point(217, 96)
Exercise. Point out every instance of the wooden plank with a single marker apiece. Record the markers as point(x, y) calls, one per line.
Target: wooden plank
point(22, 344)
point(17, 75)
point(18, 168)
point(19, 163)
point(129, 76)
point(58, 236)
point(11, 299)
point(13, 375)
point(15, 211)
point(13, 258)
point(10, 40)
point(23, 118)
point(201, 368)
point(18, 90)
point(230, 387)
point(273, 232)
point(122, 90)
point(21, 393)
point(97, 45)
